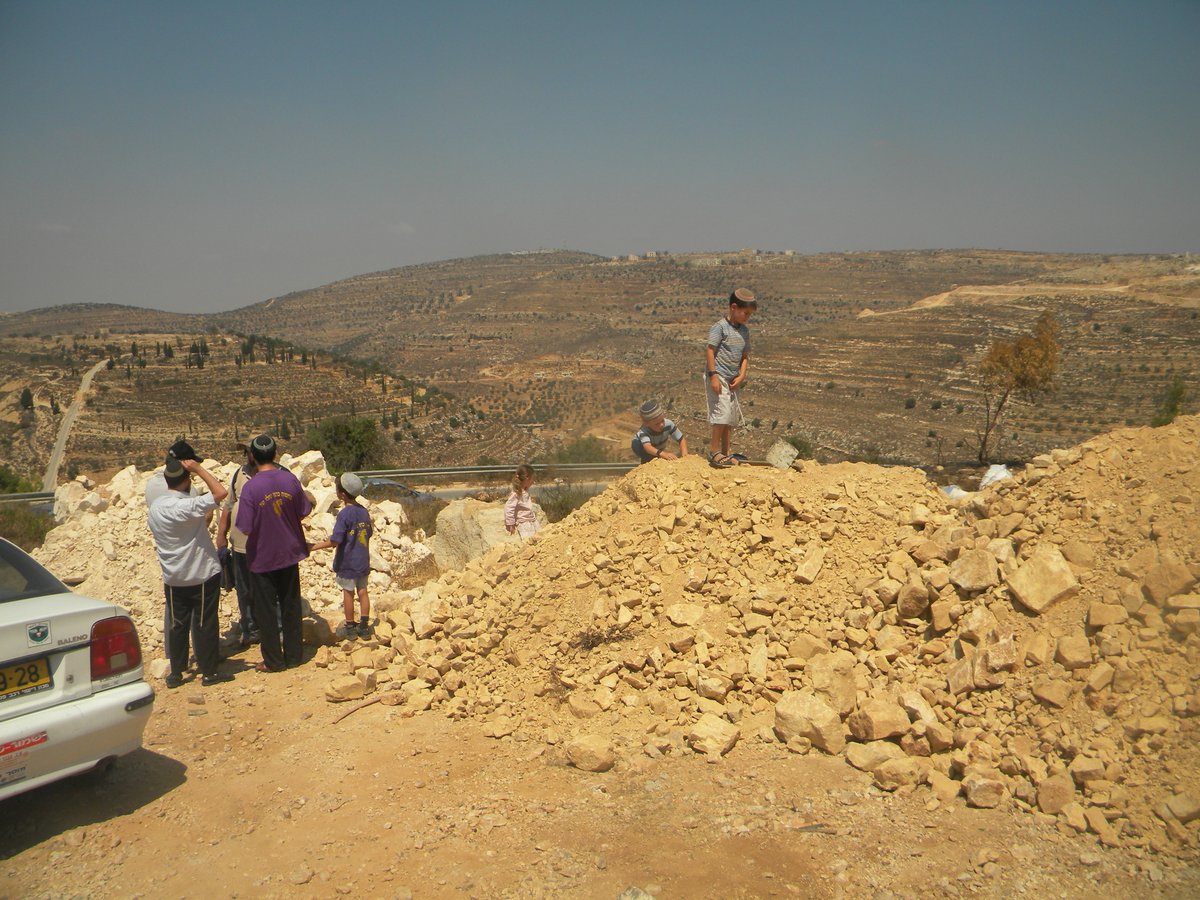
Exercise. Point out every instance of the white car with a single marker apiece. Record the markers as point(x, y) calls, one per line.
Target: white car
point(72, 695)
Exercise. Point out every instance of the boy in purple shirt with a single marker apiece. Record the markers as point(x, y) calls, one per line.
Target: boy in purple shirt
point(270, 508)
point(352, 559)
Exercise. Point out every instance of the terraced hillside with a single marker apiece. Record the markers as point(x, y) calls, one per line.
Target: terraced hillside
point(864, 354)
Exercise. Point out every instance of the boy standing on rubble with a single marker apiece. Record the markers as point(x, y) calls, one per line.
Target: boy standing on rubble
point(728, 358)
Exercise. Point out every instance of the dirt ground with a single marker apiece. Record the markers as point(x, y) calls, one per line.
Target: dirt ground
point(250, 789)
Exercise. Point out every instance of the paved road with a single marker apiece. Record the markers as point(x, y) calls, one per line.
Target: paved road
point(50, 482)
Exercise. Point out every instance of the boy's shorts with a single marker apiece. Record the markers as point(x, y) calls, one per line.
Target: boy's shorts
point(351, 584)
point(723, 408)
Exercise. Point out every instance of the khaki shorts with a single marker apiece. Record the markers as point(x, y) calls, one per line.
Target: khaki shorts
point(350, 584)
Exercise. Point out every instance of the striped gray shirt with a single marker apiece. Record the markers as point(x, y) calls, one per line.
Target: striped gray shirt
point(731, 344)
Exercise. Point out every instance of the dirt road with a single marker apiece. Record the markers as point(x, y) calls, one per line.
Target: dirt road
point(249, 789)
point(50, 481)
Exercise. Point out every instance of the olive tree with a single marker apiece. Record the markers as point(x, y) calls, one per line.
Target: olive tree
point(1023, 368)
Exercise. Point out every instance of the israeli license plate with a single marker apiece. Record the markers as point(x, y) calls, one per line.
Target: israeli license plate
point(25, 678)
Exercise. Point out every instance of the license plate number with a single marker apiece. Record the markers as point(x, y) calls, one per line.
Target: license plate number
point(25, 678)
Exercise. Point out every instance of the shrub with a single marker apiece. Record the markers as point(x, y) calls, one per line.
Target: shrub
point(12, 483)
point(582, 450)
point(910, 403)
point(803, 445)
point(561, 499)
point(346, 443)
point(422, 514)
point(1171, 404)
point(23, 526)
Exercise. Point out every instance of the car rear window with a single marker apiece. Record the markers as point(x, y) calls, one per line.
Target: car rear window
point(22, 576)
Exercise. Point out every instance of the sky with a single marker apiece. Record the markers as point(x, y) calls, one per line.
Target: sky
point(199, 157)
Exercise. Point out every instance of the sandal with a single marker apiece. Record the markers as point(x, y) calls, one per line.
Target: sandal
point(738, 458)
point(263, 667)
point(720, 461)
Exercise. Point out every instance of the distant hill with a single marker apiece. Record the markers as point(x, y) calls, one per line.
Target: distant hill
point(864, 354)
point(81, 318)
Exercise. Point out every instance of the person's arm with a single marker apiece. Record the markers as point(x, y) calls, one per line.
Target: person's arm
point(649, 449)
point(215, 487)
point(714, 380)
point(510, 513)
point(682, 447)
point(743, 368)
point(223, 528)
point(322, 545)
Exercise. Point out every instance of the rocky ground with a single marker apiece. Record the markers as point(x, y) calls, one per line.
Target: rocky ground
point(702, 683)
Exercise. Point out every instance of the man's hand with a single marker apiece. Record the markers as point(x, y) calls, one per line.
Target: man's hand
point(666, 454)
point(714, 381)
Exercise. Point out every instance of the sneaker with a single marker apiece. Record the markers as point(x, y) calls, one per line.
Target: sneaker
point(364, 628)
point(215, 678)
point(254, 637)
point(174, 681)
point(351, 629)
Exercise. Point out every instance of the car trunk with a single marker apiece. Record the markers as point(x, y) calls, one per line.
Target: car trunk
point(56, 628)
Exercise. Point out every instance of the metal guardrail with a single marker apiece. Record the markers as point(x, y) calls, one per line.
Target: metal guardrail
point(34, 497)
point(607, 468)
point(610, 468)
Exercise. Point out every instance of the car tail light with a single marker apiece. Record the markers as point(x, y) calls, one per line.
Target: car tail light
point(115, 647)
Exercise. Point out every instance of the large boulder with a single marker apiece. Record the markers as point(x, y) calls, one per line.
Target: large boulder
point(468, 528)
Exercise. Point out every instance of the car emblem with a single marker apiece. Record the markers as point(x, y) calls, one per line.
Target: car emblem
point(39, 633)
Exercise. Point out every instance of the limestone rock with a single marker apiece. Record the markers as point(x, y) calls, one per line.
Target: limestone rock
point(870, 756)
point(974, 570)
point(1074, 651)
point(345, 688)
point(685, 614)
point(810, 566)
point(468, 528)
point(898, 773)
point(591, 753)
point(1052, 693)
point(1043, 580)
point(713, 736)
point(1166, 578)
point(831, 676)
point(802, 714)
point(1185, 807)
point(983, 788)
point(1055, 792)
point(876, 720)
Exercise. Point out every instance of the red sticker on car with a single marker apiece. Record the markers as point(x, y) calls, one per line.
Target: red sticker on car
point(23, 743)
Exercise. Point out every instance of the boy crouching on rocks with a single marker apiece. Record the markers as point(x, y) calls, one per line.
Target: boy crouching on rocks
point(352, 559)
point(651, 439)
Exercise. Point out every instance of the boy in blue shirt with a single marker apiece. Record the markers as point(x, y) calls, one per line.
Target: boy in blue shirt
point(651, 439)
point(352, 559)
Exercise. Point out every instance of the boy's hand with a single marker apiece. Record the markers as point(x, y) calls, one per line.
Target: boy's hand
point(667, 454)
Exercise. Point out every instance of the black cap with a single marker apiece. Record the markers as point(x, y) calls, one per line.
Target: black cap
point(183, 450)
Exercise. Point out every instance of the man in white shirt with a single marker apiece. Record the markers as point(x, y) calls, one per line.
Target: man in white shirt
point(190, 567)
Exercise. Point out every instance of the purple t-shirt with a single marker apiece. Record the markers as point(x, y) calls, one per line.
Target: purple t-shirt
point(270, 508)
point(351, 532)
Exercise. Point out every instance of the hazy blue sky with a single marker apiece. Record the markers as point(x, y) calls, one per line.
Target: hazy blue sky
point(206, 155)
